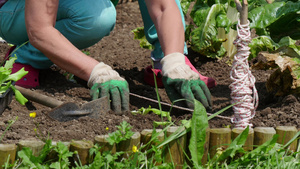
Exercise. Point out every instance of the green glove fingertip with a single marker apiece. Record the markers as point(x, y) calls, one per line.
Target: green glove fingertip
point(116, 90)
point(115, 100)
point(94, 92)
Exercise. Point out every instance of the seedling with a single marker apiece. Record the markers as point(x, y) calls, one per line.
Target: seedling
point(7, 78)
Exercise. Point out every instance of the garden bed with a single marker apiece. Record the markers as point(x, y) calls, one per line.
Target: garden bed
point(120, 51)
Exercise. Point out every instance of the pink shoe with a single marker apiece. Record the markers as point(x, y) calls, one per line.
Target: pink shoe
point(210, 82)
point(31, 79)
point(148, 76)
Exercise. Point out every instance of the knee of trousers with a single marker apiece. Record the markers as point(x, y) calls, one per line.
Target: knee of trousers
point(105, 23)
point(98, 27)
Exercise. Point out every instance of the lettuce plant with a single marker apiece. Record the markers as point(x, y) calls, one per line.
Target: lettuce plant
point(208, 18)
point(7, 78)
point(212, 31)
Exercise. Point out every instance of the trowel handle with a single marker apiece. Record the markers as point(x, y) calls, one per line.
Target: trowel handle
point(39, 98)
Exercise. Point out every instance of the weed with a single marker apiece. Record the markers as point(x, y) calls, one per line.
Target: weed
point(123, 133)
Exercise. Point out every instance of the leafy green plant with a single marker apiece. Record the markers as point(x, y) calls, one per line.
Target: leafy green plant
point(276, 24)
point(213, 28)
point(158, 112)
point(268, 155)
point(208, 17)
point(104, 160)
point(63, 156)
point(139, 34)
point(7, 78)
point(277, 19)
point(28, 160)
point(123, 133)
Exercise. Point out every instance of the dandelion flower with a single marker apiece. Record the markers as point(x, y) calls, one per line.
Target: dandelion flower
point(33, 114)
point(106, 128)
point(134, 149)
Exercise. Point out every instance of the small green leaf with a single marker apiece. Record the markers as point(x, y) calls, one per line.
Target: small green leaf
point(18, 95)
point(139, 34)
point(9, 63)
point(55, 165)
point(4, 88)
point(18, 75)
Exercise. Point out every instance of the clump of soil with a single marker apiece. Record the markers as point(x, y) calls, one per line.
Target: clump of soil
point(124, 54)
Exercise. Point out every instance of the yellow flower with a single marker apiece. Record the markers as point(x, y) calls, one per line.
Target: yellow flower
point(106, 128)
point(134, 149)
point(33, 114)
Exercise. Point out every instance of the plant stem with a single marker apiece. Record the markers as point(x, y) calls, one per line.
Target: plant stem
point(156, 89)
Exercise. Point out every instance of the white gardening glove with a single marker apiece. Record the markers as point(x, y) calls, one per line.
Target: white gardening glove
point(104, 81)
point(181, 82)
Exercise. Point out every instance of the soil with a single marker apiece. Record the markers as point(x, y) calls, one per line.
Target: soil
point(124, 54)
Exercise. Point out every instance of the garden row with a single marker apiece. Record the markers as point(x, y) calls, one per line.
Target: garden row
point(217, 139)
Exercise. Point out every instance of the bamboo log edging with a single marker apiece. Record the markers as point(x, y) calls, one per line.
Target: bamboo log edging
point(174, 151)
point(220, 138)
point(248, 146)
point(216, 138)
point(101, 141)
point(263, 134)
point(146, 137)
point(81, 151)
point(7, 153)
point(286, 133)
point(36, 146)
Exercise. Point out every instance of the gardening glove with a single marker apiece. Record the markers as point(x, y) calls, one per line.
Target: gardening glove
point(183, 83)
point(104, 81)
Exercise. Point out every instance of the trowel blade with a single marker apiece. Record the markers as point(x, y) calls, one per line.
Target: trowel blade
point(70, 111)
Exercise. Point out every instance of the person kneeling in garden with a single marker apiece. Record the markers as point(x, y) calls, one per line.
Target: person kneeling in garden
point(58, 29)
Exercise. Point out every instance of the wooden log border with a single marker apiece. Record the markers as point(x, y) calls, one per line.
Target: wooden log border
point(216, 138)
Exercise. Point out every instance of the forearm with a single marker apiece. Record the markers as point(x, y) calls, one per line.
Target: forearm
point(40, 18)
point(62, 53)
point(167, 20)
